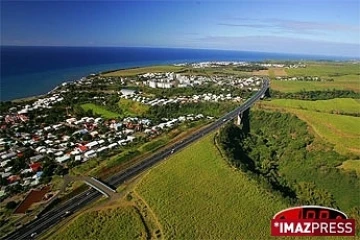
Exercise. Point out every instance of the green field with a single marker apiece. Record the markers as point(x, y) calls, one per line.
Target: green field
point(336, 105)
point(99, 110)
point(346, 76)
point(142, 70)
point(342, 131)
point(328, 70)
point(132, 108)
point(351, 165)
point(117, 223)
point(196, 195)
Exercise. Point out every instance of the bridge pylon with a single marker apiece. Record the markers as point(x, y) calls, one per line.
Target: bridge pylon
point(239, 119)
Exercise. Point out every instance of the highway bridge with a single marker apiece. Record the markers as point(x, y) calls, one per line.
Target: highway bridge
point(101, 187)
point(49, 219)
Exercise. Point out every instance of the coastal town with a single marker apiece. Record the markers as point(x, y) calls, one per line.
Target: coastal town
point(52, 134)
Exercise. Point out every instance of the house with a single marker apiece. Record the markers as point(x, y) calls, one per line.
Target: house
point(63, 158)
point(111, 146)
point(98, 120)
point(148, 131)
point(28, 170)
point(58, 154)
point(130, 138)
point(4, 175)
point(99, 150)
point(8, 155)
point(94, 133)
point(90, 154)
point(4, 163)
point(57, 126)
point(82, 148)
point(35, 167)
point(13, 178)
point(91, 145)
point(122, 142)
point(127, 92)
point(70, 120)
point(128, 131)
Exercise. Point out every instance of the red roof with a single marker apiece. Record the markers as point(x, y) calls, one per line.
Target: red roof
point(13, 178)
point(35, 166)
point(83, 148)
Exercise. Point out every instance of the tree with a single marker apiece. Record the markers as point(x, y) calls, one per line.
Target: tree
point(59, 170)
point(11, 205)
point(3, 181)
point(87, 137)
point(307, 193)
point(269, 169)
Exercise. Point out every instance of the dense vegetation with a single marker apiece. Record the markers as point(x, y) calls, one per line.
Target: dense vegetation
point(249, 68)
point(176, 109)
point(343, 106)
point(201, 89)
point(315, 95)
point(328, 120)
point(281, 154)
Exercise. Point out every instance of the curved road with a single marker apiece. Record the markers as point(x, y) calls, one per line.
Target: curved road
point(54, 216)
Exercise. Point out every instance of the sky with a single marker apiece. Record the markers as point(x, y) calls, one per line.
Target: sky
point(320, 27)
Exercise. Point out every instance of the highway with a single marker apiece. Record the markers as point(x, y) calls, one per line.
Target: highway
point(51, 218)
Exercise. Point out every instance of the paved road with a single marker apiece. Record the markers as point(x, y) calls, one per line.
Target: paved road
point(54, 216)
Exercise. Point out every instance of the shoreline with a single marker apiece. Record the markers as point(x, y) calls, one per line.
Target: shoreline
point(37, 96)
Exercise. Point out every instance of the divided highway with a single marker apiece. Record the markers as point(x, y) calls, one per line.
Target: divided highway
point(54, 216)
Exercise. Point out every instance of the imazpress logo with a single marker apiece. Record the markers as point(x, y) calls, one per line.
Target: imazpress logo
point(312, 221)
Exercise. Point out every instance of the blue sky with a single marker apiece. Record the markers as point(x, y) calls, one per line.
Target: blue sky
point(325, 27)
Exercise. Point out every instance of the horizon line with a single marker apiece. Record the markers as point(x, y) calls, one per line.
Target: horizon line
point(187, 48)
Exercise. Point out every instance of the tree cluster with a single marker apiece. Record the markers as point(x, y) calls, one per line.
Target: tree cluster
point(275, 142)
point(315, 95)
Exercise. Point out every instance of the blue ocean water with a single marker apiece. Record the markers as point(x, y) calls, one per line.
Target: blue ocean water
point(28, 71)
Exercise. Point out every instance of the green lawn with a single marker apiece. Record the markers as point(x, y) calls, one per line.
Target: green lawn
point(99, 110)
point(132, 108)
point(117, 223)
point(196, 195)
point(142, 70)
point(337, 105)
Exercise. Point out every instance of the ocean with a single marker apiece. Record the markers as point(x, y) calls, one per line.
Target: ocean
point(29, 71)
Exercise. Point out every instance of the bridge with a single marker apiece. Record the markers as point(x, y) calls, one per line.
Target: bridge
point(101, 187)
point(49, 219)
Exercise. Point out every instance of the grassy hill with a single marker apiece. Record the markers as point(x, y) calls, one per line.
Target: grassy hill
point(110, 223)
point(96, 109)
point(340, 130)
point(196, 195)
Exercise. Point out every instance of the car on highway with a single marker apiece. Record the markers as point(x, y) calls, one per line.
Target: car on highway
point(33, 234)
